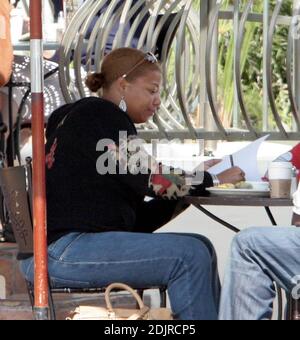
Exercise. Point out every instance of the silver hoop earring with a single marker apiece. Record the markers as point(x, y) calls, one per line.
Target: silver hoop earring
point(123, 105)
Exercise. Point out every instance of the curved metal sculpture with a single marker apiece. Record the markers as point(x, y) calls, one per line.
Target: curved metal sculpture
point(290, 66)
point(172, 29)
point(237, 69)
point(208, 59)
point(270, 73)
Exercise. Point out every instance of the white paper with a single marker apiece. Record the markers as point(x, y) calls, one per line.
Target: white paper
point(245, 158)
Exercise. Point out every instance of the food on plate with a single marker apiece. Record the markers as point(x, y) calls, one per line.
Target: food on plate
point(240, 185)
point(244, 185)
point(226, 186)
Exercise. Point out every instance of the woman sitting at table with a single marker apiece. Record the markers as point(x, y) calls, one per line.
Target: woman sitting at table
point(99, 227)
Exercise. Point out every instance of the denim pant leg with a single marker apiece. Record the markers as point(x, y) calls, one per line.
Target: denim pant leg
point(215, 279)
point(183, 264)
point(259, 257)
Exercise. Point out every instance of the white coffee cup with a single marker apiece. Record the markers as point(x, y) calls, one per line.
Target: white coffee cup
point(280, 177)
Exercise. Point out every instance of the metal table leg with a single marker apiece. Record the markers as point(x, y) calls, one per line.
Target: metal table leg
point(217, 219)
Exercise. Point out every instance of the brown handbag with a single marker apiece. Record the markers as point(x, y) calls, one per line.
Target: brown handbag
point(110, 313)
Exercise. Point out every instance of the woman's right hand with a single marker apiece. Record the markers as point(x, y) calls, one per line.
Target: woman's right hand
point(233, 175)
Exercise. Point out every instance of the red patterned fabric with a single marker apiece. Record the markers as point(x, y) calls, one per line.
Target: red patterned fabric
point(162, 182)
point(50, 156)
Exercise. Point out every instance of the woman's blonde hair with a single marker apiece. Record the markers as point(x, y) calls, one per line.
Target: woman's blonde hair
point(117, 64)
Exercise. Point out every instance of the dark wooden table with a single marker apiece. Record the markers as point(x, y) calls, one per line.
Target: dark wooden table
point(293, 312)
point(246, 201)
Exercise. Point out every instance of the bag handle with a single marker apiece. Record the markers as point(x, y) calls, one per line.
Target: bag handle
point(121, 286)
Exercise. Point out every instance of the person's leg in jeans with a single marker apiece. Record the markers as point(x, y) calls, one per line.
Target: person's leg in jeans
point(259, 257)
point(183, 264)
point(154, 214)
point(215, 279)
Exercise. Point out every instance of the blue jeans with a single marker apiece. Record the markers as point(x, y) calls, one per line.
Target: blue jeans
point(185, 263)
point(259, 257)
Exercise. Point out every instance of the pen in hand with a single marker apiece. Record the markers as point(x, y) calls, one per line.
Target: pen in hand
point(231, 161)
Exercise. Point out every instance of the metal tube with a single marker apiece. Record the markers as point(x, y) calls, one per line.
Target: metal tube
point(266, 20)
point(39, 193)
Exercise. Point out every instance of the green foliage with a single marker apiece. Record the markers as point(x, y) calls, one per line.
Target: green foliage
point(252, 68)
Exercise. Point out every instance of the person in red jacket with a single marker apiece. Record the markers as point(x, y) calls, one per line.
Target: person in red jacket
point(296, 156)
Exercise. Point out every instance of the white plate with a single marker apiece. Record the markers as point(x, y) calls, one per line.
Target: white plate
point(260, 189)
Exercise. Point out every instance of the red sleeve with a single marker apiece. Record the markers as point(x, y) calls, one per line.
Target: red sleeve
point(296, 156)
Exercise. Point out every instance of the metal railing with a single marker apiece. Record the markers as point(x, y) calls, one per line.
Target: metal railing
point(186, 38)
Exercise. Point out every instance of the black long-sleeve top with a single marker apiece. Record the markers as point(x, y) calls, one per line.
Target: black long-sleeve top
point(80, 196)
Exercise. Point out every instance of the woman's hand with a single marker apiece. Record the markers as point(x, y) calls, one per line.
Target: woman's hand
point(233, 175)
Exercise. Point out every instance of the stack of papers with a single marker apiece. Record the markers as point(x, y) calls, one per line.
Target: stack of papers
point(246, 159)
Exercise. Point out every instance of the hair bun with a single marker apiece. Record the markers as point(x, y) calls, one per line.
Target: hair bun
point(95, 81)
